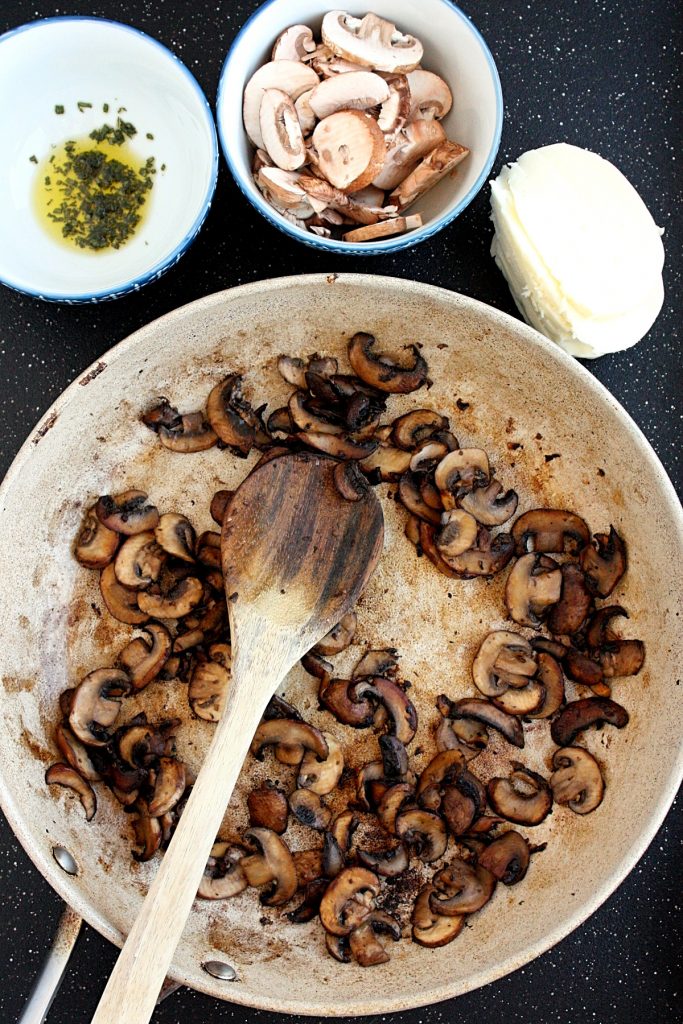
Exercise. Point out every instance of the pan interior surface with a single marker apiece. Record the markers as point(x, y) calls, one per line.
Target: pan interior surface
point(505, 389)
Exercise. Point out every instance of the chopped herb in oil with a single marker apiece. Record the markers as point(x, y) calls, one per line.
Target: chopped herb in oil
point(33, 158)
point(82, 105)
point(117, 135)
point(105, 108)
point(59, 109)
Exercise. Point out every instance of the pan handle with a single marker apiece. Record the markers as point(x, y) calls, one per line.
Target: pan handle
point(51, 974)
point(54, 966)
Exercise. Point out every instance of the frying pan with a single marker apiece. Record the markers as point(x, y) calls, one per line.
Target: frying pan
point(505, 388)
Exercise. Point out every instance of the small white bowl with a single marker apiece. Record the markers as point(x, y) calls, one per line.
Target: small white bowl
point(70, 60)
point(453, 48)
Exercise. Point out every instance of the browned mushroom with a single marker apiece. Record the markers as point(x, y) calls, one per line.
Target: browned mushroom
point(387, 863)
point(582, 668)
point(458, 534)
point(293, 371)
point(570, 612)
point(604, 562)
point(179, 601)
point(308, 809)
point(335, 445)
point(469, 737)
point(458, 809)
point(413, 428)
point(581, 714)
point(308, 865)
point(382, 662)
point(622, 658)
point(491, 716)
point(507, 857)
point(336, 697)
point(175, 534)
point(460, 472)
point(271, 865)
point(208, 690)
point(522, 702)
point(348, 900)
point(192, 433)
point(139, 561)
point(577, 780)
point(504, 659)
point(95, 706)
point(148, 832)
point(550, 677)
point(365, 947)
point(223, 877)
point(393, 800)
point(169, 786)
point(219, 503)
point(486, 557)
point(139, 744)
point(411, 497)
point(339, 637)
point(127, 513)
point(424, 832)
point(75, 753)
point(524, 797)
point(433, 929)
point(145, 656)
point(64, 775)
point(546, 530)
point(461, 888)
point(96, 544)
point(380, 372)
point(268, 808)
point(350, 481)
point(443, 770)
point(321, 777)
point(532, 587)
point(400, 709)
point(289, 733)
point(386, 464)
point(490, 505)
point(394, 757)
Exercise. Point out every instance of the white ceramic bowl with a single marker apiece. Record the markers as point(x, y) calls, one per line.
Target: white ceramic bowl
point(453, 48)
point(67, 60)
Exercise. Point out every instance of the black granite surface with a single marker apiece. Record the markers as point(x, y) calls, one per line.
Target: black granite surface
point(603, 74)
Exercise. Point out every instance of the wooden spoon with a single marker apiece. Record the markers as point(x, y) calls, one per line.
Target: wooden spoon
point(296, 555)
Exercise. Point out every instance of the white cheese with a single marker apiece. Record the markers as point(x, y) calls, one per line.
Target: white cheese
point(580, 251)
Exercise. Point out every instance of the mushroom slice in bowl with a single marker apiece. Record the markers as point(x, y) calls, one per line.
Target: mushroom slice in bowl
point(223, 877)
point(490, 505)
point(504, 659)
point(461, 888)
point(581, 714)
point(208, 690)
point(524, 797)
point(371, 41)
point(604, 562)
point(96, 544)
point(547, 530)
point(577, 780)
point(139, 561)
point(94, 706)
point(127, 513)
point(175, 534)
point(533, 586)
point(432, 929)
point(380, 372)
point(271, 865)
point(349, 900)
point(65, 775)
point(507, 857)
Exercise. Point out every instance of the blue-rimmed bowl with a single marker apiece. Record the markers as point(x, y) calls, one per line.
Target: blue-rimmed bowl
point(453, 49)
point(64, 62)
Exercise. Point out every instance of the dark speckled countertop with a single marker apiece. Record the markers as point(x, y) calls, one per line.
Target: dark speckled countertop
point(603, 74)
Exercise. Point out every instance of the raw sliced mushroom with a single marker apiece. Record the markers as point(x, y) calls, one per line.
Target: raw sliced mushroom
point(396, 108)
point(295, 43)
point(356, 90)
point(95, 707)
point(491, 716)
point(321, 777)
point(381, 372)
point(281, 130)
point(75, 753)
point(139, 561)
point(96, 544)
point(460, 472)
point(524, 797)
point(442, 160)
point(504, 659)
point(370, 41)
point(431, 929)
point(179, 601)
point(461, 888)
point(490, 505)
point(289, 733)
point(533, 586)
point(348, 900)
point(547, 530)
point(169, 786)
point(581, 714)
point(394, 226)
point(339, 637)
point(152, 650)
point(570, 612)
point(284, 191)
point(208, 690)
point(304, 112)
point(550, 677)
point(127, 513)
point(271, 865)
point(175, 534)
point(604, 562)
point(430, 97)
point(64, 775)
point(291, 76)
point(401, 710)
point(223, 877)
point(577, 780)
point(348, 148)
point(507, 857)
point(309, 810)
point(458, 533)
point(424, 832)
point(192, 434)
point(408, 147)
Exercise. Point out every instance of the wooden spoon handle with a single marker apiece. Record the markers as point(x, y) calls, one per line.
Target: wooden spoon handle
point(133, 987)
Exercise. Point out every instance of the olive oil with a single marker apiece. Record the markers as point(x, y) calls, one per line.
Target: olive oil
point(92, 193)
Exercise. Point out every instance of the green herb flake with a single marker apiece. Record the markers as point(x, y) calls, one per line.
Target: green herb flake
point(116, 135)
point(48, 182)
point(122, 110)
point(163, 167)
point(33, 159)
point(149, 135)
point(105, 108)
point(82, 105)
point(59, 109)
